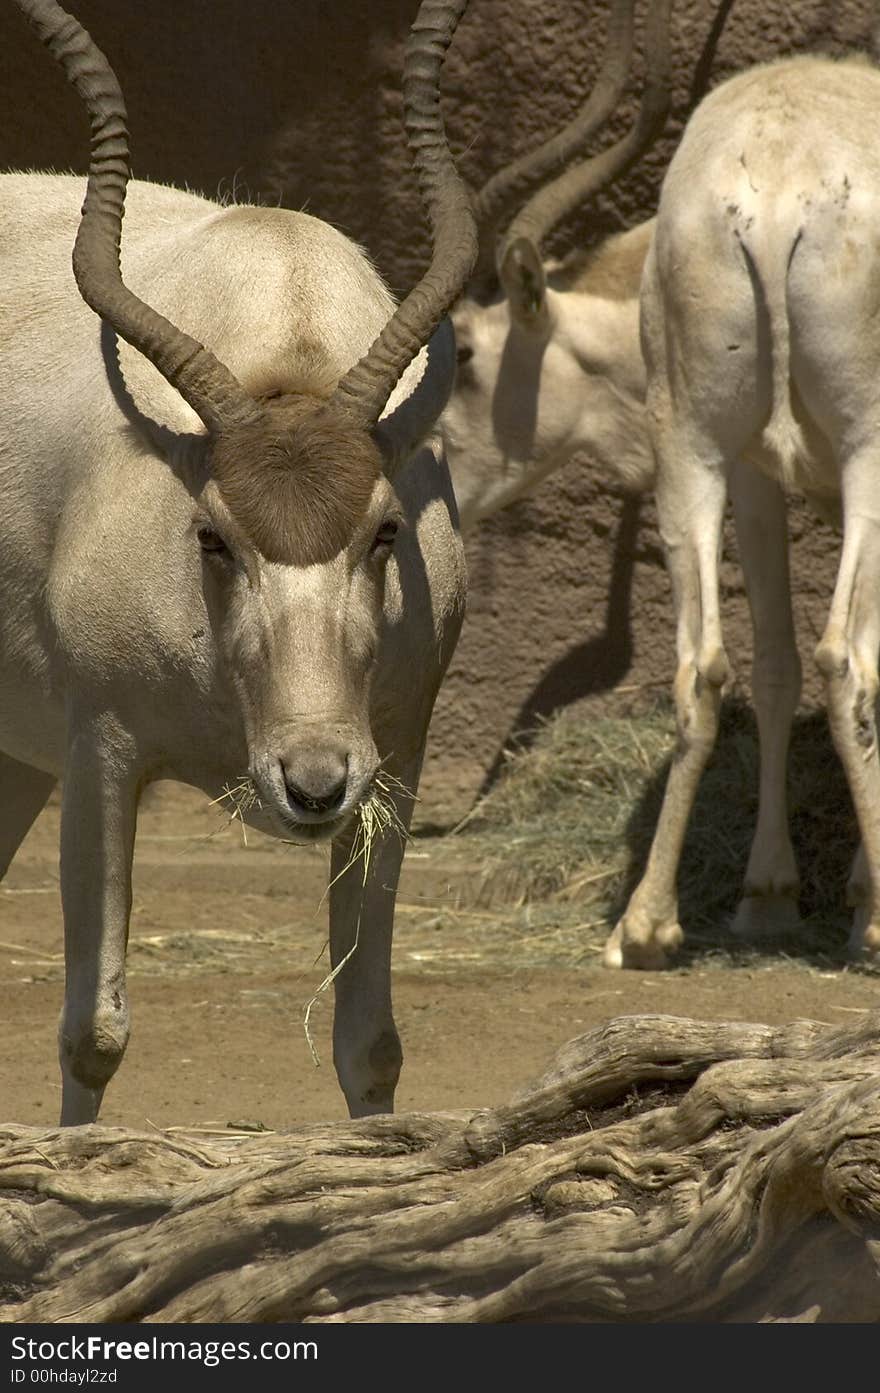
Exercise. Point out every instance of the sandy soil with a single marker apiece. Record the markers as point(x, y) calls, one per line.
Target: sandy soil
point(227, 947)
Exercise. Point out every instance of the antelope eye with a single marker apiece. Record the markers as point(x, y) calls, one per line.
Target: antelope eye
point(385, 536)
point(209, 540)
point(464, 354)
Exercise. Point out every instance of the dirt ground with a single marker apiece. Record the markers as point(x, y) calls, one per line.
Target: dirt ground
point(228, 945)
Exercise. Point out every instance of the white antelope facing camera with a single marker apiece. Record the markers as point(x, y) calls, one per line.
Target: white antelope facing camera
point(229, 537)
point(745, 361)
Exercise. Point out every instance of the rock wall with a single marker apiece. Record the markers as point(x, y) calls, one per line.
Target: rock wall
point(300, 103)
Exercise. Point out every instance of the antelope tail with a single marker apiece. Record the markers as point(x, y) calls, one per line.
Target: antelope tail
point(783, 437)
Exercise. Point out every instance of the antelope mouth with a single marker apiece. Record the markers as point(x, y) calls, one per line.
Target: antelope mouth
point(309, 833)
point(299, 812)
point(373, 811)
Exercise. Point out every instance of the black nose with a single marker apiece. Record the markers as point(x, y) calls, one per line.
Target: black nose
point(318, 786)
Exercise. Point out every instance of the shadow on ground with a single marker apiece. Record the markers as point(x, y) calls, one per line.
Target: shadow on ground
point(598, 664)
point(565, 833)
point(823, 827)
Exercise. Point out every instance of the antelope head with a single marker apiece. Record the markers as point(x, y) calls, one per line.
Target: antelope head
point(293, 510)
point(525, 378)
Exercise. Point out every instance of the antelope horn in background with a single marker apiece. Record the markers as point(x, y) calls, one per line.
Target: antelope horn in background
point(551, 203)
point(703, 70)
point(209, 387)
point(362, 393)
point(510, 186)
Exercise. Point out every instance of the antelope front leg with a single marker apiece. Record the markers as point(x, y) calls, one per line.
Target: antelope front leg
point(769, 902)
point(690, 499)
point(98, 816)
point(847, 658)
point(366, 1047)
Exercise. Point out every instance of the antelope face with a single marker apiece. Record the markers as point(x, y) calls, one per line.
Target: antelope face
point(515, 401)
point(299, 645)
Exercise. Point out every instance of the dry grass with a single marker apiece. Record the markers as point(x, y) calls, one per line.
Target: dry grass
point(238, 800)
point(566, 829)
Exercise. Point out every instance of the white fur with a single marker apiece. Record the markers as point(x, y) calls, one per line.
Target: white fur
point(761, 333)
point(126, 655)
point(758, 310)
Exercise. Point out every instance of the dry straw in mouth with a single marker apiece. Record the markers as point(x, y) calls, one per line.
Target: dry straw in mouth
point(243, 797)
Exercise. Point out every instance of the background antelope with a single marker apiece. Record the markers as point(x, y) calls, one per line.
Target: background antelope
point(759, 314)
point(221, 552)
point(554, 370)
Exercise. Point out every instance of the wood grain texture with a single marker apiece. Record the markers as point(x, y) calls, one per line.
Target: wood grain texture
point(661, 1170)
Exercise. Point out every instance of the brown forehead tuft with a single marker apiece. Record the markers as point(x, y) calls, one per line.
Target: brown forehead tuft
point(298, 481)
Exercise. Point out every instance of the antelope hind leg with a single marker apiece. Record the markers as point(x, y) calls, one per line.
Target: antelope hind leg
point(23, 794)
point(769, 903)
point(858, 897)
point(691, 495)
point(847, 657)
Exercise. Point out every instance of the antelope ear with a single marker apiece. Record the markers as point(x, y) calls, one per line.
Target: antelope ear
point(523, 281)
point(418, 399)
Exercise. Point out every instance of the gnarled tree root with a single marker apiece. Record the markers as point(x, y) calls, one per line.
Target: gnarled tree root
point(662, 1170)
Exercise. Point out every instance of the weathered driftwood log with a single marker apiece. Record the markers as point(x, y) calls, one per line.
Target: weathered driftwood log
point(662, 1170)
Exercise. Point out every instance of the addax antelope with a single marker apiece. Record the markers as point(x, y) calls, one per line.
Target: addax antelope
point(554, 369)
point(229, 539)
point(551, 369)
point(761, 332)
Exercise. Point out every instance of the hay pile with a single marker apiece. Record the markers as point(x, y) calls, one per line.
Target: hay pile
point(570, 821)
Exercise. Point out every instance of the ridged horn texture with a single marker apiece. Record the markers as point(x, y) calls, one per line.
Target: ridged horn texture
point(551, 203)
point(362, 393)
point(507, 189)
point(209, 387)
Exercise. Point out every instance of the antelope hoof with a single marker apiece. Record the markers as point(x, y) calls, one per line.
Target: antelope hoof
point(369, 1081)
point(766, 916)
point(375, 1105)
point(864, 939)
point(649, 951)
point(79, 1104)
point(91, 1051)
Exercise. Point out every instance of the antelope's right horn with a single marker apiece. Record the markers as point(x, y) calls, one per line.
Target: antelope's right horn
point(364, 390)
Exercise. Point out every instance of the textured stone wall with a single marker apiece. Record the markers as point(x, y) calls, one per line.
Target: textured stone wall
point(299, 102)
